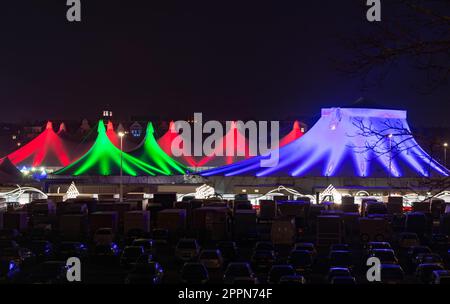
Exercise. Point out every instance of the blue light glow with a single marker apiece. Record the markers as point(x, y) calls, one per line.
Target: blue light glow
point(334, 146)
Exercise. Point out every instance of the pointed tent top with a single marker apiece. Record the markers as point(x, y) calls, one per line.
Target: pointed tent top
point(62, 128)
point(172, 126)
point(110, 126)
point(49, 125)
point(150, 129)
point(296, 125)
point(101, 126)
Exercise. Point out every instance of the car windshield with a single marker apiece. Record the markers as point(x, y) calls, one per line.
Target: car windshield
point(149, 269)
point(209, 255)
point(104, 232)
point(264, 246)
point(194, 269)
point(133, 251)
point(384, 255)
point(186, 245)
point(144, 243)
point(280, 271)
point(238, 270)
point(68, 246)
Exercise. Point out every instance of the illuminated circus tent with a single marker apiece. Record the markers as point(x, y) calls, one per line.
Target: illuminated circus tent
point(336, 147)
point(151, 153)
point(105, 159)
point(47, 150)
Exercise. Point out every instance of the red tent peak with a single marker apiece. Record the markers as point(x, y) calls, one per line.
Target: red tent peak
point(49, 125)
point(296, 125)
point(109, 126)
point(62, 128)
point(172, 126)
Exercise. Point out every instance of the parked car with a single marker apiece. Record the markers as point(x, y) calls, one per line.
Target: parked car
point(414, 251)
point(50, 272)
point(194, 273)
point(262, 260)
point(160, 236)
point(134, 234)
point(130, 255)
point(42, 249)
point(340, 258)
point(264, 246)
point(148, 273)
point(295, 279)
point(104, 236)
point(338, 272)
point(147, 244)
point(110, 250)
point(408, 239)
point(343, 280)
point(427, 258)
point(187, 249)
point(439, 241)
point(378, 245)
point(343, 247)
point(278, 271)
point(386, 256)
point(301, 260)
point(211, 258)
point(236, 271)
point(440, 277)
point(424, 272)
point(306, 246)
point(9, 271)
point(72, 249)
point(391, 274)
point(228, 249)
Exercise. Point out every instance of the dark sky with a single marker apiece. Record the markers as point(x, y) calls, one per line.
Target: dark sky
point(227, 59)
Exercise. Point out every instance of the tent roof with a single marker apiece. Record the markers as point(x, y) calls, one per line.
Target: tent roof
point(105, 159)
point(151, 153)
point(47, 149)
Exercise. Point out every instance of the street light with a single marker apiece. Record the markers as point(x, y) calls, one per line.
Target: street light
point(121, 135)
point(390, 162)
point(445, 153)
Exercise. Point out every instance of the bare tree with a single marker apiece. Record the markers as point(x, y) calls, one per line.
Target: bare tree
point(391, 138)
point(417, 35)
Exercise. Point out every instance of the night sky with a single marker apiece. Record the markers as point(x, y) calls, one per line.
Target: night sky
point(227, 59)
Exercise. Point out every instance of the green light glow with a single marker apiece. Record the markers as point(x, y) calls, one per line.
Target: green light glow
point(104, 159)
point(151, 153)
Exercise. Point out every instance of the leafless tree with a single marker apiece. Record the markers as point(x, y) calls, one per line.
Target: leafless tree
point(400, 139)
point(411, 32)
